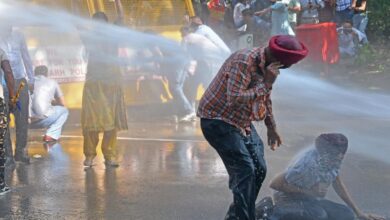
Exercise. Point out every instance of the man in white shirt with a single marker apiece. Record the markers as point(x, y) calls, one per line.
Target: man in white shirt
point(8, 76)
point(200, 28)
point(237, 13)
point(43, 113)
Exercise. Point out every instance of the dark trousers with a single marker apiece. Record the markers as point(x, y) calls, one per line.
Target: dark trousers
point(21, 122)
point(3, 131)
point(311, 209)
point(243, 157)
point(343, 16)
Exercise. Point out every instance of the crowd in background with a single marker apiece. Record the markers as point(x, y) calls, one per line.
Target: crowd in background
point(266, 18)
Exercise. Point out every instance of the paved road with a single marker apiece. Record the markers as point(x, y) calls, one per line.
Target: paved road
point(169, 172)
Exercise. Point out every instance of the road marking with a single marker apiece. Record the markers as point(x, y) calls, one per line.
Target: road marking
point(142, 139)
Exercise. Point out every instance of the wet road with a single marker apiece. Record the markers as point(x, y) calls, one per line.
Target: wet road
point(167, 172)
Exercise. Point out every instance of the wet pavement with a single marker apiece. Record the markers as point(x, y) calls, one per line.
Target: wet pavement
point(167, 172)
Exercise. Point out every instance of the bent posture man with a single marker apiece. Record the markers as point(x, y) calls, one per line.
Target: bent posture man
point(43, 113)
point(238, 95)
point(301, 190)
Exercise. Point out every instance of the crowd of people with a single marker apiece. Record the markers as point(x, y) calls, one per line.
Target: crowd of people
point(266, 18)
point(239, 87)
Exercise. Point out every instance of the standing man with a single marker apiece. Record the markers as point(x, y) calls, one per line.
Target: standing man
point(9, 78)
point(344, 11)
point(294, 7)
point(103, 104)
point(43, 113)
point(14, 45)
point(238, 95)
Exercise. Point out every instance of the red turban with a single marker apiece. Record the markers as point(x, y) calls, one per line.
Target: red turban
point(287, 49)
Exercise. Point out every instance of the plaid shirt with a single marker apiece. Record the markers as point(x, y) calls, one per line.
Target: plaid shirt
point(237, 95)
point(343, 4)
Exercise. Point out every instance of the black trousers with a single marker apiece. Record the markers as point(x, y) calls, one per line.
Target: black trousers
point(243, 157)
point(309, 208)
point(21, 122)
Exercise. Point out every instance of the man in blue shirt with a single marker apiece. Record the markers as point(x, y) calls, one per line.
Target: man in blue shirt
point(300, 191)
point(14, 45)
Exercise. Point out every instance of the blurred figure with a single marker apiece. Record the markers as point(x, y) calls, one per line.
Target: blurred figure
point(279, 18)
point(237, 14)
point(47, 106)
point(257, 26)
point(294, 7)
point(103, 104)
point(310, 10)
point(326, 14)
point(350, 39)
point(5, 72)
point(239, 94)
point(203, 52)
point(344, 11)
point(301, 189)
point(360, 18)
point(14, 45)
point(199, 28)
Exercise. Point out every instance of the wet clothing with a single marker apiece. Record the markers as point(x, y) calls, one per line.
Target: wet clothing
point(302, 207)
point(103, 107)
point(213, 37)
point(313, 168)
point(243, 157)
point(279, 18)
point(16, 49)
point(53, 122)
point(103, 104)
point(43, 113)
point(91, 140)
point(3, 126)
point(45, 91)
point(3, 131)
point(21, 122)
point(237, 95)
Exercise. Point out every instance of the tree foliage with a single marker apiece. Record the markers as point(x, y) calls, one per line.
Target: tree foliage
point(379, 19)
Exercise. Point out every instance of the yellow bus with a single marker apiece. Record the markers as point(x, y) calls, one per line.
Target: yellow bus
point(162, 16)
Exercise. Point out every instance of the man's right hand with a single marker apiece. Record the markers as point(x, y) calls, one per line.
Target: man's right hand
point(271, 73)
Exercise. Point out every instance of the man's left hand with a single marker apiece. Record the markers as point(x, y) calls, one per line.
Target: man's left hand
point(274, 139)
point(365, 216)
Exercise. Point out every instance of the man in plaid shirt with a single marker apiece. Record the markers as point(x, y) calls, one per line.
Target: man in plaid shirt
point(344, 11)
point(239, 94)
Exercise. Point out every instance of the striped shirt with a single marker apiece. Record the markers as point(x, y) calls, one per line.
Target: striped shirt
point(238, 95)
point(343, 4)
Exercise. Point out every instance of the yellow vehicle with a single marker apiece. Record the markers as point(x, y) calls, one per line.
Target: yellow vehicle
point(162, 16)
